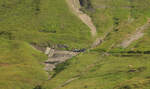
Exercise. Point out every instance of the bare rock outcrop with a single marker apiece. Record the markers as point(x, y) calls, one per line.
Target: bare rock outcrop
point(56, 57)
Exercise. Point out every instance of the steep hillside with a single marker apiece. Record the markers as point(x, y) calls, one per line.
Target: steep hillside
point(94, 70)
point(40, 23)
point(121, 61)
point(43, 23)
point(111, 38)
point(20, 65)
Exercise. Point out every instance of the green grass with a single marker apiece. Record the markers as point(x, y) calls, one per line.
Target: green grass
point(106, 11)
point(42, 22)
point(104, 72)
point(50, 22)
point(39, 22)
point(119, 68)
point(20, 65)
point(119, 19)
point(143, 43)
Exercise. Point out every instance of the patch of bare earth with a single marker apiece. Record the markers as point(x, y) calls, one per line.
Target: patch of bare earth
point(135, 36)
point(75, 7)
point(56, 57)
point(4, 64)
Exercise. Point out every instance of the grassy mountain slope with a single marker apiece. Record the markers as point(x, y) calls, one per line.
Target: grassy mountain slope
point(110, 66)
point(119, 18)
point(50, 22)
point(97, 71)
point(39, 22)
point(42, 22)
point(20, 65)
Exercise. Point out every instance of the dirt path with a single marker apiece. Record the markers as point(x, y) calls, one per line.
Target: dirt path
point(78, 75)
point(57, 56)
point(135, 36)
point(67, 82)
point(75, 7)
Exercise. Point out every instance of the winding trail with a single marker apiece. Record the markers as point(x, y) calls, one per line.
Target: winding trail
point(136, 35)
point(57, 56)
point(75, 7)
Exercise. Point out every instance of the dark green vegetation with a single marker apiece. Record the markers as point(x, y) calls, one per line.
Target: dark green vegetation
point(49, 22)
